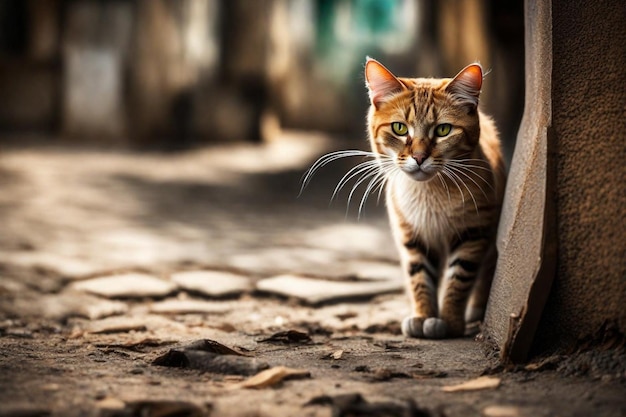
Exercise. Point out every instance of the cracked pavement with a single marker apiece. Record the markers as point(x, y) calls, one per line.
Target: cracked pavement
point(108, 259)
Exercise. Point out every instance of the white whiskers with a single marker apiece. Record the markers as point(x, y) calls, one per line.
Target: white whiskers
point(460, 171)
point(377, 171)
point(465, 174)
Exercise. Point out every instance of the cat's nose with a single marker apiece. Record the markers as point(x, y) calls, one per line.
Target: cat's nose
point(420, 157)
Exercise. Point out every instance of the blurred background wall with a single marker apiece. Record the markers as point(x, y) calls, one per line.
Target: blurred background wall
point(172, 74)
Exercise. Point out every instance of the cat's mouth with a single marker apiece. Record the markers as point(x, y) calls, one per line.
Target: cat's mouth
point(420, 173)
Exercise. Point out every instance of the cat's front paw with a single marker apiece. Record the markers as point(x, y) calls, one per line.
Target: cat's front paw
point(413, 326)
point(424, 328)
point(435, 328)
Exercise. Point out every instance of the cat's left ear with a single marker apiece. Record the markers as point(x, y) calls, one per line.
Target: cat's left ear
point(466, 86)
point(381, 83)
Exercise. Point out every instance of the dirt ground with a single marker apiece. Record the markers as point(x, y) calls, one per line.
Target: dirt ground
point(68, 216)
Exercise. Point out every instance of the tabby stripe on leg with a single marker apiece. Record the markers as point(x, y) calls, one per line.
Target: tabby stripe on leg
point(421, 289)
point(427, 260)
point(457, 296)
point(473, 233)
point(466, 279)
point(465, 270)
point(416, 245)
point(468, 266)
point(417, 267)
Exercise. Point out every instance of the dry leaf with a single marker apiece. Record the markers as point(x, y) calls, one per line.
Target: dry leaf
point(483, 382)
point(337, 355)
point(209, 355)
point(271, 377)
point(76, 333)
point(288, 337)
point(550, 362)
point(208, 345)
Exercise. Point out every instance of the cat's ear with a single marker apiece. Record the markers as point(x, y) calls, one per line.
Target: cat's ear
point(380, 82)
point(465, 87)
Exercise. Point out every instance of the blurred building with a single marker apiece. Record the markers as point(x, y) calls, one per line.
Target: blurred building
point(174, 73)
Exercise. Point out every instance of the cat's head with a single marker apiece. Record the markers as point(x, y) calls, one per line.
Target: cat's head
point(423, 123)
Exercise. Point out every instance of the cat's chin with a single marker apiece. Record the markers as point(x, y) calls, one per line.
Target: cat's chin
point(421, 176)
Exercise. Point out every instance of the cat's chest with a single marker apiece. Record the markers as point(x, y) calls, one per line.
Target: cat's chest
point(425, 211)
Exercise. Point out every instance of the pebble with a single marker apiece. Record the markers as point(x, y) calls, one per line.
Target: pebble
point(77, 304)
point(374, 270)
point(271, 261)
point(66, 266)
point(19, 332)
point(129, 285)
point(175, 306)
point(315, 291)
point(212, 283)
point(117, 325)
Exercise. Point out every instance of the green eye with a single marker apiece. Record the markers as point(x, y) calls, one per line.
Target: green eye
point(443, 129)
point(399, 129)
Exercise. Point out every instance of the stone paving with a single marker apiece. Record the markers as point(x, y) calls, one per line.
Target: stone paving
point(109, 261)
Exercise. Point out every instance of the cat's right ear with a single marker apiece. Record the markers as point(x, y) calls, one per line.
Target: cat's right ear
point(465, 87)
point(380, 82)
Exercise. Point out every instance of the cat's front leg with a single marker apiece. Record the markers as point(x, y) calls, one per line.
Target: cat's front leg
point(421, 267)
point(463, 266)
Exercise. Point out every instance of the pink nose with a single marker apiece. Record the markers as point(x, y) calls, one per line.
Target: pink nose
point(420, 157)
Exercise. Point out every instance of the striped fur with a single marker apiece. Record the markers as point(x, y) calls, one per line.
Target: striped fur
point(443, 193)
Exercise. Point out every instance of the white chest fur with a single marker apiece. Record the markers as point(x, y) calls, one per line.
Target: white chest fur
point(428, 209)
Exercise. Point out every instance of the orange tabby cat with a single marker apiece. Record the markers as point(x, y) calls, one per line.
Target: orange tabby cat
point(439, 159)
point(441, 163)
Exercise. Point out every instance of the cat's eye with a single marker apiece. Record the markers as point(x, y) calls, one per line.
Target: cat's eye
point(399, 129)
point(443, 129)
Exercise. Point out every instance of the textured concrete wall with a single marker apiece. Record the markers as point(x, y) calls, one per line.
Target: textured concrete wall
point(589, 132)
point(561, 274)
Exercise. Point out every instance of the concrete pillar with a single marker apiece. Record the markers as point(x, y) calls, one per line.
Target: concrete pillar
point(589, 140)
point(561, 275)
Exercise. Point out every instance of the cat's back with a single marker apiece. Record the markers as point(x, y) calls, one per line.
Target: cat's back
point(491, 148)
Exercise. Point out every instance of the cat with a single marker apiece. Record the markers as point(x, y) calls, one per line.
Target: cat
point(445, 178)
point(439, 160)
